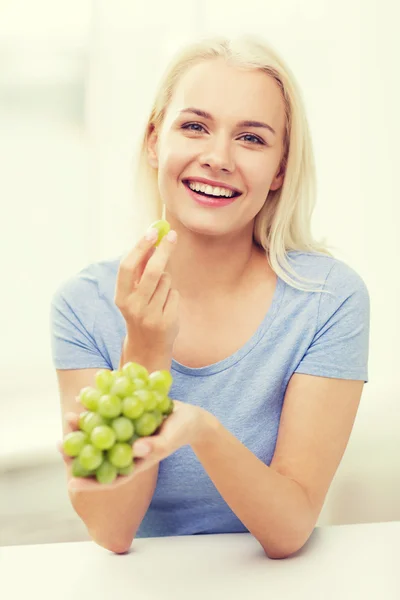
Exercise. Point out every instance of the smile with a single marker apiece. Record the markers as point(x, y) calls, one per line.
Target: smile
point(209, 200)
point(211, 191)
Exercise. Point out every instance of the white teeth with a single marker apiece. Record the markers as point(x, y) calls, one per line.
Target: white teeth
point(210, 190)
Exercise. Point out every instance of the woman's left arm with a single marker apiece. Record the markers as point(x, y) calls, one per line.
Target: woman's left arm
point(279, 504)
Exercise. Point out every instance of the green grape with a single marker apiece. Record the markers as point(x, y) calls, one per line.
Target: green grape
point(164, 404)
point(74, 442)
point(120, 455)
point(103, 437)
point(78, 471)
point(146, 424)
point(110, 406)
point(135, 371)
point(159, 417)
point(82, 417)
point(90, 457)
point(132, 407)
point(138, 384)
point(123, 428)
point(171, 407)
point(127, 470)
point(91, 420)
point(162, 227)
point(104, 380)
point(106, 473)
point(147, 398)
point(160, 381)
point(122, 387)
point(89, 398)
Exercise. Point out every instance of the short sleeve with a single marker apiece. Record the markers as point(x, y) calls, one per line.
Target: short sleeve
point(72, 318)
point(340, 346)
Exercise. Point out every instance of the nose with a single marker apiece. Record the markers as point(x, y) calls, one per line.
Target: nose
point(218, 156)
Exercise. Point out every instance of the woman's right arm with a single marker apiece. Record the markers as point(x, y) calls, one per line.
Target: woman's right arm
point(150, 308)
point(111, 516)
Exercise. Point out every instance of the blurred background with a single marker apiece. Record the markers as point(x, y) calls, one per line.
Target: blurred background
point(76, 81)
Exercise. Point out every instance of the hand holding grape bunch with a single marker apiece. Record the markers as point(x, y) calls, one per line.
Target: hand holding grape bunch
point(124, 405)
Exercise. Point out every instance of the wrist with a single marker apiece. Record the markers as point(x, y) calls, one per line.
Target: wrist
point(206, 426)
point(154, 359)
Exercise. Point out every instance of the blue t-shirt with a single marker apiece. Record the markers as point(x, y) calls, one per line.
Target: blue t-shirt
point(302, 332)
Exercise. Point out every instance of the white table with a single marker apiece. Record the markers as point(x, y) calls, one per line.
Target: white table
point(347, 562)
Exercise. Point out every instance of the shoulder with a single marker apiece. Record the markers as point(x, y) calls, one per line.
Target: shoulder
point(336, 276)
point(95, 280)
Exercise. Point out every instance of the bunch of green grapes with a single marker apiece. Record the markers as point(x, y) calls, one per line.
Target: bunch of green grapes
point(123, 406)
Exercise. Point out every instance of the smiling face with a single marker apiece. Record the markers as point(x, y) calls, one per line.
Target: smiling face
point(225, 125)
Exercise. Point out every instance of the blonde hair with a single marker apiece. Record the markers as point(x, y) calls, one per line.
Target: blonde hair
point(284, 222)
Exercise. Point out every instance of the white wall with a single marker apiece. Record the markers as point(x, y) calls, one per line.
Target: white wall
point(66, 186)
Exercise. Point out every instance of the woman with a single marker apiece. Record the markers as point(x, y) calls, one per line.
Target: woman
point(265, 333)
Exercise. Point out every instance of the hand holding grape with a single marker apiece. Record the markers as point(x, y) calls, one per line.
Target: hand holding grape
point(144, 295)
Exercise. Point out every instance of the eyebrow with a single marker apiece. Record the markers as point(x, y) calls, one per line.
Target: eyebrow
point(206, 115)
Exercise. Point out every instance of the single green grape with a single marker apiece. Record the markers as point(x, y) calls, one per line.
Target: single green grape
point(120, 455)
point(164, 404)
point(132, 407)
point(74, 442)
point(78, 471)
point(147, 398)
point(139, 384)
point(104, 380)
point(82, 418)
point(110, 406)
point(127, 470)
point(135, 371)
point(171, 407)
point(90, 457)
point(160, 381)
point(103, 437)
point(89, 397)
point(123, 428)
point(90, 420)
point(159, 417)
point(106, 473)
point(122, 387)
point(163, 227)
point(146, 424)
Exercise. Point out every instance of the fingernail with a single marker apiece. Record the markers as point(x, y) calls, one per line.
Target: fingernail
point(140, 449)
point(151, 235)
point(172, 236)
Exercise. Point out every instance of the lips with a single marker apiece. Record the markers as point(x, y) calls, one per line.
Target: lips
point(210, 201)
point(236, 191)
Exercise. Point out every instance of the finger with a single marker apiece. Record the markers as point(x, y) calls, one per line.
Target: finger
point(160, 296)
point(72, 420)
point(154, 269)
point(132, 265)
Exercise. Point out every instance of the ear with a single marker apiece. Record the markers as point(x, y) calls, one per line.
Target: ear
point(278, 180)
point(152, 147)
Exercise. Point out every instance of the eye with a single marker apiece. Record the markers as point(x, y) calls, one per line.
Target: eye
point(189, 127)
point(254, 139)
point(198, 128)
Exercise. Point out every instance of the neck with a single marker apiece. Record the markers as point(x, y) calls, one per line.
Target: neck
point(210, 266)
